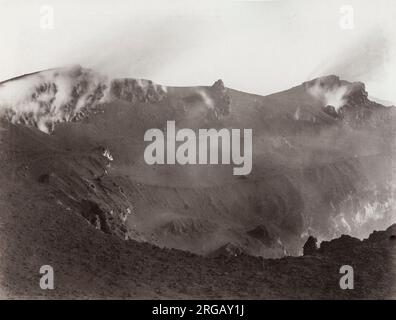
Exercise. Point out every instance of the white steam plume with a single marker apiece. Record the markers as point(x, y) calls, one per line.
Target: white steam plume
point(45, 98)
point(333, 96)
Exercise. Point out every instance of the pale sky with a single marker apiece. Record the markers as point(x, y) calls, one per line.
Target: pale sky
point(254, 46)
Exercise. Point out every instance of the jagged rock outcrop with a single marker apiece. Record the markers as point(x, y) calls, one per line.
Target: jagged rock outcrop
point(383, 236)
point(134, 90)
point(95, 215)
point(341, 244)
point(347, 245)
point(106, 221)
point(347, 101)
point(221, 98)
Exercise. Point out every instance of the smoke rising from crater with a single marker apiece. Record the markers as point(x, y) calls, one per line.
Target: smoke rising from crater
point(334, 96)
point(45, 98)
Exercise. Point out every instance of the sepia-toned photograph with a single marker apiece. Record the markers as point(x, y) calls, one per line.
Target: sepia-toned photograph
point(179, 150)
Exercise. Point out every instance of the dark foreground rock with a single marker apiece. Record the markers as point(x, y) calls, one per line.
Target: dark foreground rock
point(89, 263)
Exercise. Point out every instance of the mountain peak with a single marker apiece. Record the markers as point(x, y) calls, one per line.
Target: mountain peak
point(42, 99)
point(333, 91)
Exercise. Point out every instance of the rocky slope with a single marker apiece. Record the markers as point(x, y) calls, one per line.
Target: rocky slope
point(323, 164)
point(93, 264)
